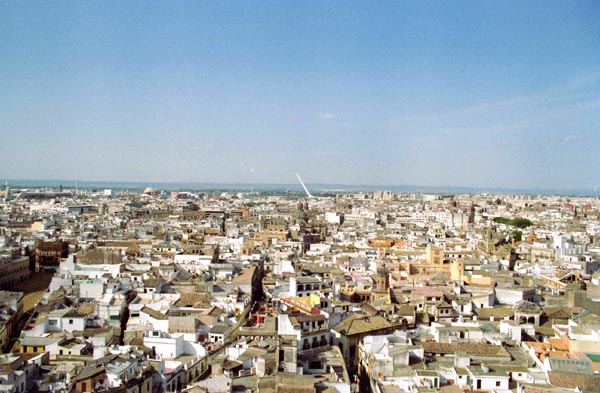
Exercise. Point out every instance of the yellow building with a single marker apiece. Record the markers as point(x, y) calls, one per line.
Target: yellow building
point(381, 289)
point(435, 255)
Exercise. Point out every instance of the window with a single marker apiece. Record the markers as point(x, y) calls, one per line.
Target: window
point(316, 365)
point(70, 321)
point(497, 383)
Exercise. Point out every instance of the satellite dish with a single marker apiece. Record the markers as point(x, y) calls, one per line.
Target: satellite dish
point(283, 307)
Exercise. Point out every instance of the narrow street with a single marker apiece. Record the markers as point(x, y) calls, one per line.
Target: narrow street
point(34, 289)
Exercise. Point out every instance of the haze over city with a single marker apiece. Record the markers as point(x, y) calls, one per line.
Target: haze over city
point(475, 94)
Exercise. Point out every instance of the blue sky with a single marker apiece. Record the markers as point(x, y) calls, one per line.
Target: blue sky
point(493, 93)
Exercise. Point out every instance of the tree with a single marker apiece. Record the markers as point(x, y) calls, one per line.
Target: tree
point(517, 235)
point(518, 222)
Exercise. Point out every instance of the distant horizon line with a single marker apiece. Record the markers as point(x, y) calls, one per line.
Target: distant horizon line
point(320, 187)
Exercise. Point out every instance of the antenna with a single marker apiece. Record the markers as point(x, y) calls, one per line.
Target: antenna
point(304, 186)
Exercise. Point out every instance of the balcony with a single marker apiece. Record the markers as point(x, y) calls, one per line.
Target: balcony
point(313, 330)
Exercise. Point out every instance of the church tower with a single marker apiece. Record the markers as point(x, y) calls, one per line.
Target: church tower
point(381, 288)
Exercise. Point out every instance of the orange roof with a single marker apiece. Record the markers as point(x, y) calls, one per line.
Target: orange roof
point(562, 355)
point(538, 348)
point(560, 344)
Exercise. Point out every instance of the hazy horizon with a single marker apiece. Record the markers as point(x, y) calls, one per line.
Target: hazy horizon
point(293, 186)
point(469, 94)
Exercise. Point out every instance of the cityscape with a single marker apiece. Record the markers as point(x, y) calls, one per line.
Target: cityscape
point(201, 291)
point(299, 197)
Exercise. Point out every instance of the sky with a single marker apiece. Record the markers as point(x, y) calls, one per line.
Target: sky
point(434, 93)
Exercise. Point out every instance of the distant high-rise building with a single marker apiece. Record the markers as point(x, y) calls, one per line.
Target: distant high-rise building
point(6, 191)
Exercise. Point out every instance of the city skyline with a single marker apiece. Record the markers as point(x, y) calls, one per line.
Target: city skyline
point(281, 188)
point(502, 94)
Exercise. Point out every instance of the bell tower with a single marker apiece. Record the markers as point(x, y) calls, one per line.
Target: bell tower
point(381, 288)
